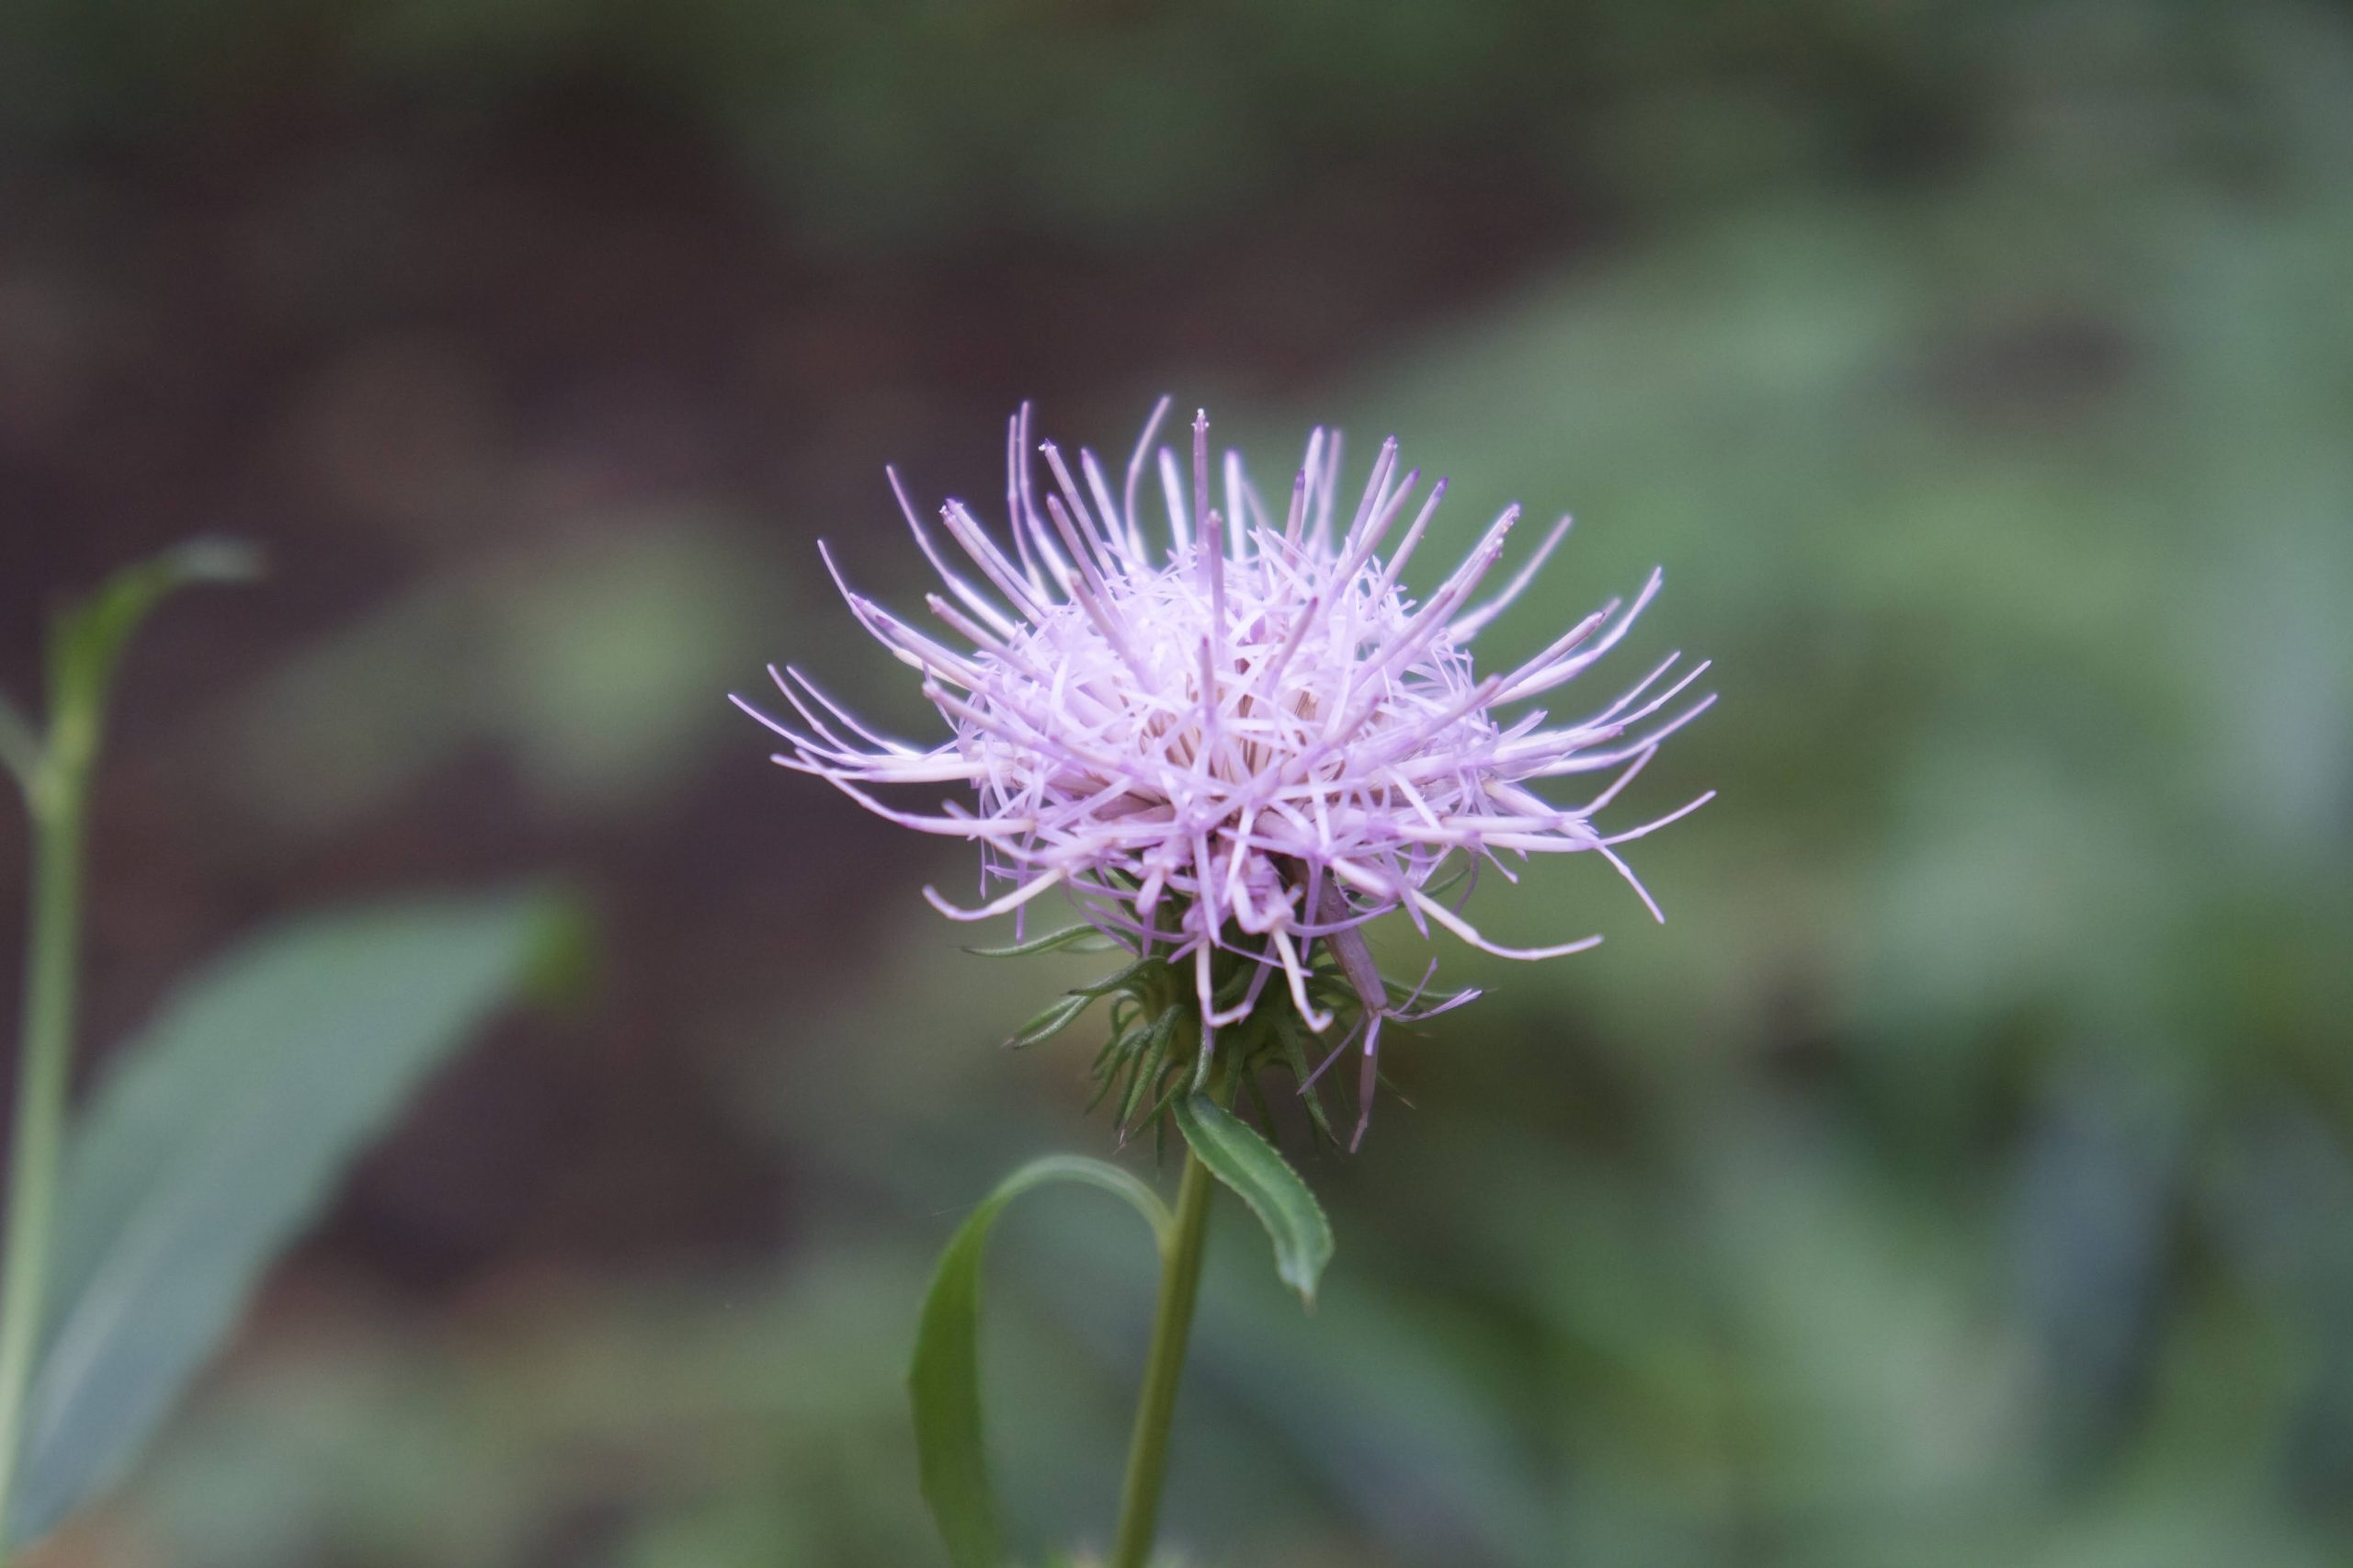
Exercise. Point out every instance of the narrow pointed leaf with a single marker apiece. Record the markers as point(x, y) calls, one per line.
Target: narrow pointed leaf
point(944, 1383)
point(222, 1135)
point(1248, 1164)
point(1129, 979)
point(1293, 1040)
point(1055, 1018)
point(1071, 938)
point(89, 639)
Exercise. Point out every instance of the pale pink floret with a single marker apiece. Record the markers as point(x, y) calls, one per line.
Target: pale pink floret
point(1254, 730)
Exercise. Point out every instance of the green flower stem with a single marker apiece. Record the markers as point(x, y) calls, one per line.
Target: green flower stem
point(53, 795)
point(1172, 1322)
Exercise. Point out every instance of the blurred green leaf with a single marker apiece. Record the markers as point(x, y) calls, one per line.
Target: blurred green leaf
point(220, 1135)
point(591, 661)
point(567, 958)
point(88, 640)
point(1248, 1164)
point(608, 653)
point(945, 1381)
point(85, 644)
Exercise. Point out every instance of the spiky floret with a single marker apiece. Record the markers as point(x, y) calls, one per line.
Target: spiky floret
point(1237, 748)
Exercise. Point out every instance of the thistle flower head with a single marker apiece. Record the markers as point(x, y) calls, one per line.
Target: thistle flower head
point(1237, 741)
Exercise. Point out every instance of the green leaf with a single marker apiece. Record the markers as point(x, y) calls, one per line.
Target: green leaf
point(945, 1381)
point(1056, 1017)
point(1292, 1038)
point(1074, 938)
point(1248, 1164)
point(1135, 980)
point(220, 1135)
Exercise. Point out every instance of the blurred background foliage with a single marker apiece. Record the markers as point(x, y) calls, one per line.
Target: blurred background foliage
point(1964, 1175)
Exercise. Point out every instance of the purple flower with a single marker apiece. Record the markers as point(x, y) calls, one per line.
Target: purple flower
point(1245, 740)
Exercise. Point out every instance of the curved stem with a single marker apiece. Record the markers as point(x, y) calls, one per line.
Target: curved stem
point(1172, 1322)
point(43, 1064)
